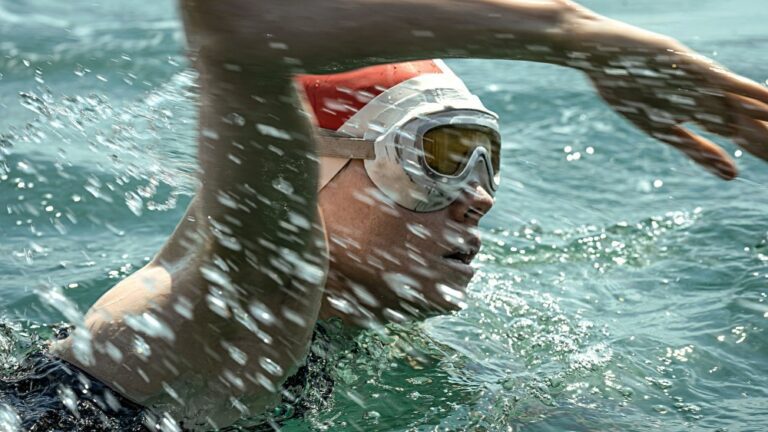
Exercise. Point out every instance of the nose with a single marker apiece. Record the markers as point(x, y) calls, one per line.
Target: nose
point(473, 203)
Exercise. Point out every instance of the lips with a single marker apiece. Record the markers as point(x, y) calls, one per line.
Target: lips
point(466, 252)
point(462, 256)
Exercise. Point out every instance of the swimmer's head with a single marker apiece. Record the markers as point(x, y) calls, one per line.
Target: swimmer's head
point(394, 257)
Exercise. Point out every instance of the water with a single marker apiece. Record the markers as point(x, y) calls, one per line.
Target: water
point(620, 287)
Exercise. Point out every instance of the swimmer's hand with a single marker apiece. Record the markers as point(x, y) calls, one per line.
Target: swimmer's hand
point(659, 85)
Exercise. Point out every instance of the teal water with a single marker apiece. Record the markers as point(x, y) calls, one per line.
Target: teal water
point(619, 288)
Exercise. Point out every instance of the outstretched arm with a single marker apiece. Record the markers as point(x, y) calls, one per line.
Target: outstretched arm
point(652, 80)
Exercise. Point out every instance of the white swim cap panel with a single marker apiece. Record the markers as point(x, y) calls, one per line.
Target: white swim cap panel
point(422, 94)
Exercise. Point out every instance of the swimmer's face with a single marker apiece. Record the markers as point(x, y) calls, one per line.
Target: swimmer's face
point(388, 262)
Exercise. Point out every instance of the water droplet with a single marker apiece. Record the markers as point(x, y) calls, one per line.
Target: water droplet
point(261, 313)
point(273, 132)
point(134, 203)
point(418, 230)
point(265, 382)
point(341, 304)
point(270, 366)
point(661, 409)
point(151, 326)
point(183, 307)
point(233, 379)
point(9, 420)
point(217, 304)
point(298, 220)
point(235, 353)
point(80, 70)
point(113, 352)
point(239, 406)
point(168, 424)
point(141, 348)
point(210, 134)
point(294, 317)
point(405, 286)
point(226, 200)
point(69, 399)
point(215, 276)
point(283, 186)
point(419, 380)
point(452, 296)
point(172, 392)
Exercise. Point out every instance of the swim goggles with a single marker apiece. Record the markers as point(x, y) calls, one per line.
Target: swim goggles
point(423, 142)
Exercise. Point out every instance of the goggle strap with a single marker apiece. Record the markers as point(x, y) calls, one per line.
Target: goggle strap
point(339, 146)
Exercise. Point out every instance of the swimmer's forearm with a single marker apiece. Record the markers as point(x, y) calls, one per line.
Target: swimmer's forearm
point(317, 36)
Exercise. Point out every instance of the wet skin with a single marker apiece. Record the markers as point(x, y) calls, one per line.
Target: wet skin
point(388, 262)
point(246, 53)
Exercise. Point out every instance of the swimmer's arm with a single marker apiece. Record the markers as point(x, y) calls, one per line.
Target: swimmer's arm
point(646, 77)
point(238, 285)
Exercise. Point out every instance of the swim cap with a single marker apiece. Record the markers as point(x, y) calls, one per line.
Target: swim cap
point(383, 115)
point(334, 99)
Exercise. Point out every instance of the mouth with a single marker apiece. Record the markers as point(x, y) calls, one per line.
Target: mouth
point(465, 254)
point(460, 256)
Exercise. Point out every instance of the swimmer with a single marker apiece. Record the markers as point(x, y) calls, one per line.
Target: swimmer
point(261, 255)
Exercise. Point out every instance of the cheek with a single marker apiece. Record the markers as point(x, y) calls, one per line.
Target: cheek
point(360, 238)
point(385, 241)
point(369, 238)
point(409, 243)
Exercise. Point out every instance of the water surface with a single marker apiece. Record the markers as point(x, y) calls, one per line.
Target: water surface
point(620, 286)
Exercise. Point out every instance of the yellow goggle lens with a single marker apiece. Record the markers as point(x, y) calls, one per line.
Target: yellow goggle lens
point(448, 148)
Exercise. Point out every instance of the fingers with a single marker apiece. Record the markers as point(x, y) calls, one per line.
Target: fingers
point(744, 86)
point(752, 136)
point(701, 150)
point(745, 124)
point(754, 108)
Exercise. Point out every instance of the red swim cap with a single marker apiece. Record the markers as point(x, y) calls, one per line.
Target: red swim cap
point(337, 97)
